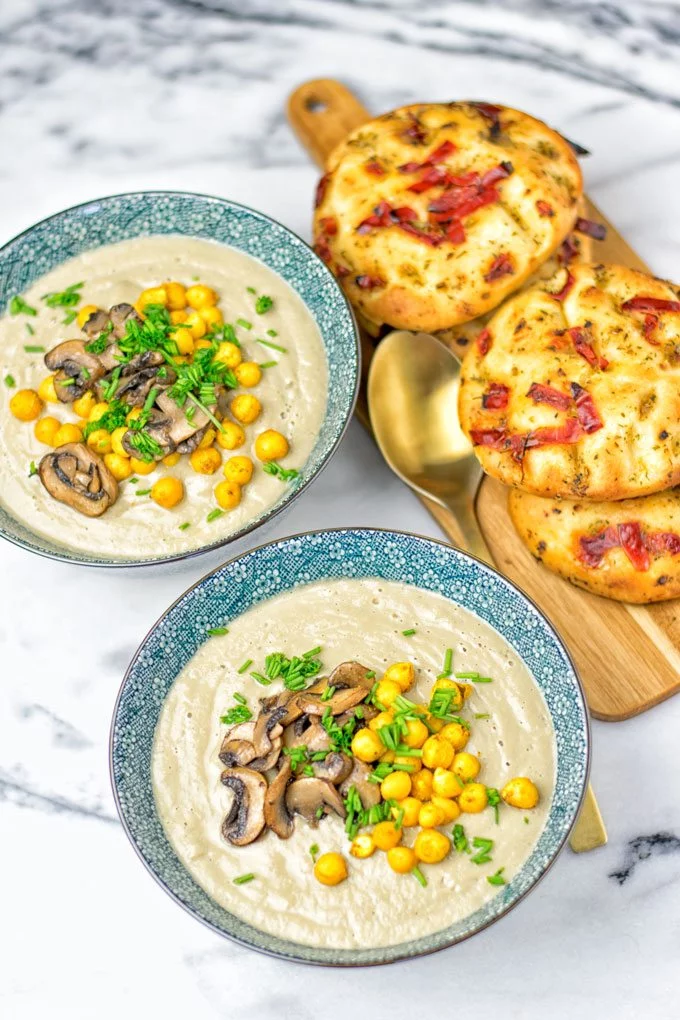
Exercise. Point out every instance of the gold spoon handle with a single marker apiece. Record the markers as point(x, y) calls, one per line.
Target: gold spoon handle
point(589, 830)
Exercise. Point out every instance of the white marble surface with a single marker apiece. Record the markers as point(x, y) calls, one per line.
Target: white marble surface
point(98, 97)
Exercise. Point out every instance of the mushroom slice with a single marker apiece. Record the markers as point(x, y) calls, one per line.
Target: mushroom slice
point(335, 767)
point(340, 702)
point(136, 382)
point(309, 797)
point(276, 814)
point(95, 324)
point(358, 778)
point(245, 820)
point(350, 674)
point(267, 729)
point(237, 746)
point(77, 370)
point(75, 475)
point(368, 712)
point(185, 433)
point(120, 315)
point(157, 427)
point(287, 699)
point(313, 736)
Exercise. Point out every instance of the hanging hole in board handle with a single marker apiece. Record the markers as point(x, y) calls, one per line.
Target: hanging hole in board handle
point(315, 105)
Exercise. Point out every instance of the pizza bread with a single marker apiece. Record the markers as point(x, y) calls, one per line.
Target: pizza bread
point(432, 214)
point(628, 550)
point(573, 390)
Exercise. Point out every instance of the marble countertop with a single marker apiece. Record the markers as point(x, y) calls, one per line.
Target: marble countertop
point(99, 97)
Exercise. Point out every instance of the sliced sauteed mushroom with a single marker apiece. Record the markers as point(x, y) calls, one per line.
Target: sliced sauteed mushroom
point(311, 735)
point(75, 475)
point(120, 315)
point(341, 701)
point(245, 820)
point(335, 767)
point(358, 778)
point(256, 744)
point(237, 746)
point(276, 814)
point(95, 324)
point(312, 797)
point(368, 712)
point(157, 426)
point(350, 674)
point(77, 370)
point(141, 375)
point(185, 432)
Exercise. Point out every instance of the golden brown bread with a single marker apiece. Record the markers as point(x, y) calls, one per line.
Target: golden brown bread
point(573, 391)
point(430, 215)
point(628, 550)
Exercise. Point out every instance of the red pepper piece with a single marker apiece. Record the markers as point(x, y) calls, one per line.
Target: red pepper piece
point(541, 394)
point(586, 411)
point(342, 271)
point(409, 168)
point(502, 265)
point(404, 214)
point(497, 173)
point(321, 191)
point(569, 432)
point(544, 208)
point(435, 175)
point(374, 167)
point(663, 542)
point(632, 543)
point(329, 225)
point(582, 346)
point(597, 231)
point(561, 294)
point(380, 217)
point(322, 250)
point(484, 342)
point(415, 132)
point(455, 232)
point(496, 397)
point(436, 156)
point(491, 113)
point(497, 439)
point(649, 329)
point(422, 233)
point(592, 548)
point(369, 282)
point(650, 304)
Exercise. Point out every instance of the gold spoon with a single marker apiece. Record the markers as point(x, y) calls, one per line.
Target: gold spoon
point(413, 404)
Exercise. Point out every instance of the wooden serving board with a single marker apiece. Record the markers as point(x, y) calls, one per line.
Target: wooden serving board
point(628, 656)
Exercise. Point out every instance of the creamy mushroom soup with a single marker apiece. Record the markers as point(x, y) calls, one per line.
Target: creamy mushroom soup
point(277, 884)
point(196, 290)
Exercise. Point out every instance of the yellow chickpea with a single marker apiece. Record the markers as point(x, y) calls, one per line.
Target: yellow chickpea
point(388, 756)
point(401, 859)
point(26, 405)
point(245, 408)
point(466, 765)
point(231, 436)
point(205, 462)
point(411, 807)
point(175, 296)
point(228, 494)
point(184, 340)
point(67, 433)
point(330, 869)
point(380, 720)
point(117, 441)
point(448, 807)
point(153, 296)
point(362, 845)
point(172, 459)
point(84, 405)
point(238, 469)
point(402, 673)
point(208, 438)
point(387, 692)
point(396, 786)
point(520, 792)
point(142, 467)
point(211, 316)
point(386, 835)
point(446, 783)
point(248, 374)
point(195, 323)
point(45, 429)
point(456, 734)
point(437, 753)
point(99, 409)
point(134, 414)
point(167, 492)
point(473, 799)
point(431, 846)
point(84, 314)
point(271, 445)
point(413, 764)
point(430, 816)
point(416, 733)
point(178, 316)
point(100, 441)
point(47, 392)
point(199, 296)
point(366, 745)
point(229, 354)
point(119, 466)
point(421, 784)
point(444, 684)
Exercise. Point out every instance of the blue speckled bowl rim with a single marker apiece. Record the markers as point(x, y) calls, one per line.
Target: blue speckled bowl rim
point(383, 954)
point(73, 557)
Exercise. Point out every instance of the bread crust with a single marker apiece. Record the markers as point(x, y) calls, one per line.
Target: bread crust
point(394, 277)
point(609, 428)
point(554, 532)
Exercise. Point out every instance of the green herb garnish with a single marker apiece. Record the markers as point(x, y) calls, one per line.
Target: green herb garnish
point(263, 304)
point(32, 469)
point(29, 329)
point(268, 364)
point(482, 715)
point(496, 879)
point(460, 840)
point(33, 349)
point(319, 813)
point(328, 693)
point(370, 674)
point(10, 380)
point(419, 877)
point(314, 849)
point(69, 318)
point(484, 846)
point(475, 678)
point(18, 306)
point(183, 527)
point(217, 631)
point(448, 664)
point(264, 680)
point(494, 798)
point(214, 514)
point(285, 474)
point(409, 633)
point(101, 342)
point(294, 672)
point(245, 665)
point(142, 492)
point(274, 347)
point(272, 332)
point(64, 298)
point(251, 290)
point(242, 879)
point(244, 324)
point(238, 714)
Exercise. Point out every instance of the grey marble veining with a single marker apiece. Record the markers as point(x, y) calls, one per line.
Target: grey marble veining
point(99, 96)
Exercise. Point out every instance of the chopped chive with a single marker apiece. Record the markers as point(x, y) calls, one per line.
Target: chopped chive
point(494, 799)
point(29, 329)
point(274, 347)
point(482, 715)
point(370, 674)
point(308, 771)
point(241, 700)
point(419, 877)
point(328, 693)
point(268, 364)
point(263, 304)
point(484, 846)
point(183, 527)
point(244, 324)
point(33, 349)
point(460, 840)
point(133, 481)
point(32, 469)
point(311, 653)
point(314, 849)
point(319, 813)
point(217, 631)
point(69, 318)
point(245, 665)
point(214, 514)
point(10, 380)
point(264, 680)
point(251, 290)
point(142, 492)
point(526, 820)
point(496, 879)
point(466, 676)
point(272, 332)
point(410, 632)
point(18, 306)
point(242, 879)
point(448, 662)
point(284, 474)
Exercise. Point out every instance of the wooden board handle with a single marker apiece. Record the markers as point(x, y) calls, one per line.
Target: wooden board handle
point(323, 112)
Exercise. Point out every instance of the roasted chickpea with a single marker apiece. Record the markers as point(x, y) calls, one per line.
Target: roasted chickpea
point(402, 673)
point(175, 296)
point(208, 438)
point(366, 745)
point(142, 467)
point(271, 445)
point(520, 792)
point(411, 807)
point(84, 314)
point(473, 799)
point(67, 433)
point(228, 494)
point(445, 684)
point(231, 436)
point(26, 405)
point(430, 816)
point(229, 354)
point(245, 408)
point(99, 409)
point(167, 492)
point(205, 462)
point(466, 765)
point(416, 733)
point(413, 764)
point(362, 845)
point(401, 859)
point(178, 316)
point(437, 753)
point(195, 323)
point(45, 429)
point(380, 720)
point(211, 316)
point(152, 296)
point(330, 869)
point(448, 807)
point(184, 340)
point(456, 734)
point(396, 786)
point(387, 692)
point(199, 296)
point(172, 459)
point(238, 469)
point(117, 441)
point(431, 846)
point(421, 784)
point(100, 441)
point(47, 392)
point(119, 466)
point(446, 783)
point(248, 374)
point(386, 835)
